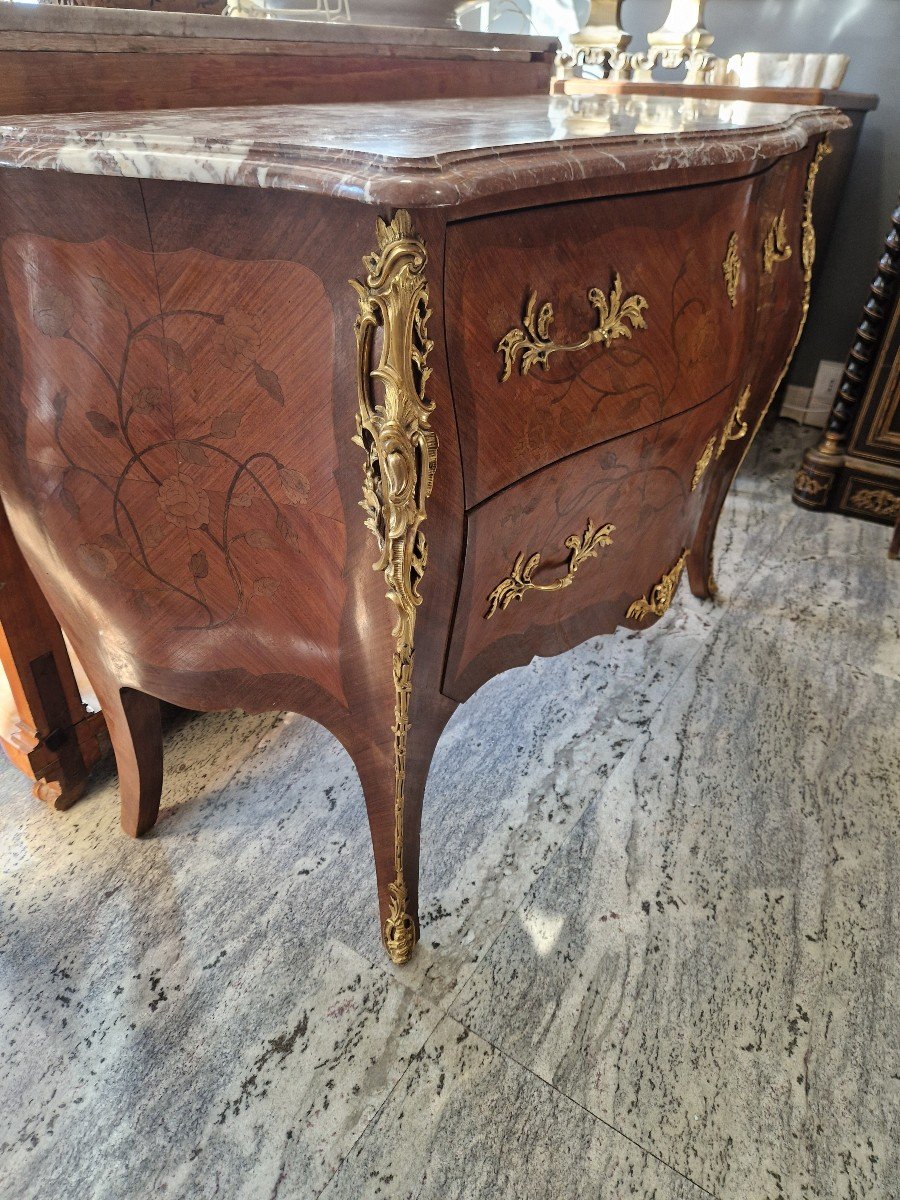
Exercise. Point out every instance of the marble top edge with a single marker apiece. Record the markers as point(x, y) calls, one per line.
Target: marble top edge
point(428, 153)
point(76, 19)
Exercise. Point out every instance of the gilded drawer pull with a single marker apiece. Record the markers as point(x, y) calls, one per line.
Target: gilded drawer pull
point(775, 245)
point(731, 269)
point(737, 426)
point(519, 581)
point(535, 344)
point(660, 595)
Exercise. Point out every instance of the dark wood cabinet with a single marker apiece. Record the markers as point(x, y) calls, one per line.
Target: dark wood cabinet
point(855, 466)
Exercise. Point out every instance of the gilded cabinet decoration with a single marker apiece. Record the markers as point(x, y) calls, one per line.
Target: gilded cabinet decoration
point(519, 581)
point(401, 453)
point(660, 596)
point(877, 501)
point(735, 427)
point(857, 459)
point(533, 344)
point(809, 487)
point(775, 244)
point(703, 462)
point(731, 270)
point(808, 233)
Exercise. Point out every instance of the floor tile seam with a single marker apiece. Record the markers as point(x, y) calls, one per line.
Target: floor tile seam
point(584, 1108)
point(413, 1057)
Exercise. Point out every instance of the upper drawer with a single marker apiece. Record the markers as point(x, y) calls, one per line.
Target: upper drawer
point(546, 359)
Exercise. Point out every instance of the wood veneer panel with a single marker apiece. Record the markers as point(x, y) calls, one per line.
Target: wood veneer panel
point(666, 248)
point(72, 81)
point(640, 483)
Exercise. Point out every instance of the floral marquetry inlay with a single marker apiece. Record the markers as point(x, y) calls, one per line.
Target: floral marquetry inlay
point(168, 444)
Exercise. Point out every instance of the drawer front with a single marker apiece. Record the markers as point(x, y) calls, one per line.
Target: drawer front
point(777, 260)
point(577, 323)
point(649, 486)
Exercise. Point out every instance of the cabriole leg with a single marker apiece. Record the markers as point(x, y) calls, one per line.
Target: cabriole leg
point(135, 730)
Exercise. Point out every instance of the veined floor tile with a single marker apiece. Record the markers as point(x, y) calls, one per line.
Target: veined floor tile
point(177, 1017)
point(830, 578)
point(711, 962)
point(466, 1123)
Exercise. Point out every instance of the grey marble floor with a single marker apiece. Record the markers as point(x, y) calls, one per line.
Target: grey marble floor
point(660, 955)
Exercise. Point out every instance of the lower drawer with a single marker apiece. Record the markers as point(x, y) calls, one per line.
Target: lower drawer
point(609, 524)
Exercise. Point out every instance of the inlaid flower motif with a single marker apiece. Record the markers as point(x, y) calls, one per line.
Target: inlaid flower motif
point(53, 311)
point(97, 559)
point(184, 504)
point(237, 340)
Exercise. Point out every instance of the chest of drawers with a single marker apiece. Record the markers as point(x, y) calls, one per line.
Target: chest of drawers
point(345, 409)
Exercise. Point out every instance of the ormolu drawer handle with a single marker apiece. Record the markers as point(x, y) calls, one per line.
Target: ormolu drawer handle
point(775, 245)
point(534, 343)
point(736, 426)
point(519, 581)
point(660, 597)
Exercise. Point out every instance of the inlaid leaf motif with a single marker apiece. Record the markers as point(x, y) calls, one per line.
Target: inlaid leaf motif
point(53, 311)
point(153, 535)
point(103, 425)
point(68, 501)
point(192, 453)
point(284, 529)
point(259, 539)
point(59, 404)
point(96, 559)
point(147, 399)
point(703, 339)
point(173, 352)
point(141, 603)
point(294, 484)
point(199, 565)
point(107, 293)
point(266, 586)
point(112, 541)
point(225, 425)
point(268, 381)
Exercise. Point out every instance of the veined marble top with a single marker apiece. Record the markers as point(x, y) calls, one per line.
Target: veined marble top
point(423, 153)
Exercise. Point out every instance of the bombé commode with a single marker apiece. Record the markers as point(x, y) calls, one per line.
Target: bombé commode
point(314, 409)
